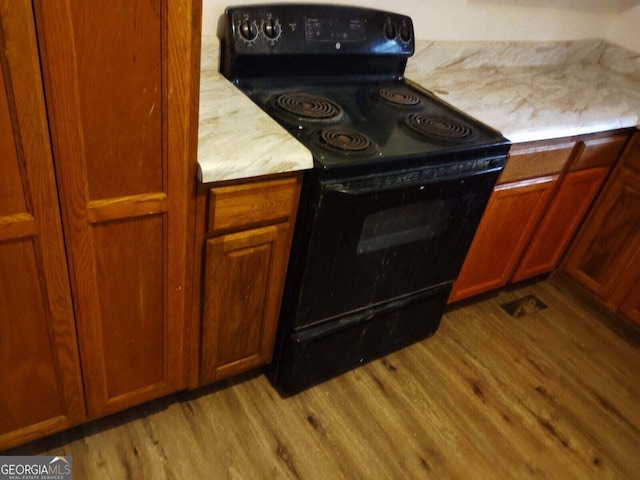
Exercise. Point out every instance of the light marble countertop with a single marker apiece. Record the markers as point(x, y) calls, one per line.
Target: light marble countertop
point(557, 91)
point(527, 90)
point(236, 139)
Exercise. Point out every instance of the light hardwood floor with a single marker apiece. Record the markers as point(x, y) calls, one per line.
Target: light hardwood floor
point(553, 395)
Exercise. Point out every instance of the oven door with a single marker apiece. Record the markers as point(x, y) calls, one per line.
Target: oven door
point(373, 240)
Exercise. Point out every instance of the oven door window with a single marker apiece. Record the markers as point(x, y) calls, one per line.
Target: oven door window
point(416, 222)
point(369, 248)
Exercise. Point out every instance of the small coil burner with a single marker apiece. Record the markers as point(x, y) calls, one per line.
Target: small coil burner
point(399, 96)
point(344, 140)
point(440, 128)
point(306, 106)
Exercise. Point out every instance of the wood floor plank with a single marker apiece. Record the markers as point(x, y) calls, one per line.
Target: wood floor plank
point(550, 395)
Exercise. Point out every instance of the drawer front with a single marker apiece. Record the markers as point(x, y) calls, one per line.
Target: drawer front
point(599, 151)
point(536, 160)
point(245, 205)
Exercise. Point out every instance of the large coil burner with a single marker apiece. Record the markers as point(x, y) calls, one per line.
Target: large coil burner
point(399, 97)
point(344, 139)
point(439, 128)
point(306, 106)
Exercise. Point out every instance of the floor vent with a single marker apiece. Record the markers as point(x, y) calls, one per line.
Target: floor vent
point(523, 306)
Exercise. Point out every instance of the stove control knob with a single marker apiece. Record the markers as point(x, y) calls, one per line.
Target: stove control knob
point(405, 31)
point(390, 30)
point(248, 30)
point(271, 29)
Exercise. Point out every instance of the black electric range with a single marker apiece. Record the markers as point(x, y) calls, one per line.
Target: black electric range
point(399, 184)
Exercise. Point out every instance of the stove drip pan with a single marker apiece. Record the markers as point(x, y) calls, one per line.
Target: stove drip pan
point(439, 128)
point(346, 141)
point(399, 96)
point(308, 107)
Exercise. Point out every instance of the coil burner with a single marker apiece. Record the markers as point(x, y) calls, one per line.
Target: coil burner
point(439, 128)
point(306, 106)
point(344, 140)
point(399, 96)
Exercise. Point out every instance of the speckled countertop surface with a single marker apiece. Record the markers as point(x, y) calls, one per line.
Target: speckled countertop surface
point(527, 90)
point(236, 139)
point(534, 91)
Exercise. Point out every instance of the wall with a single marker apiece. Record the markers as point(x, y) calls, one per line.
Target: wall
point(624, 30)
point(478, 20)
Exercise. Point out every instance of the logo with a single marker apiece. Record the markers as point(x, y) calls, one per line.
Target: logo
point(36, 468)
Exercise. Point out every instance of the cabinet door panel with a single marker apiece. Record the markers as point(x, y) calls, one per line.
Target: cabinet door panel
point(512, 214)
point(131, 324)
point(576, 192)
point(120, 99)
point(118, 80)
point(606, 246)
point(28, 361)
point(244, 277)
point(39, 364)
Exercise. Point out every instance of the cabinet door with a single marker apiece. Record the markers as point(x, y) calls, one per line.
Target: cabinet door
point(513, 212)
point(41, 389)
point(119, 96)
point(605, 248)
point(244, 279)
point(574, 196)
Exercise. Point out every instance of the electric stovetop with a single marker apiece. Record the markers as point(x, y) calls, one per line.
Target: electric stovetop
point(347, 122)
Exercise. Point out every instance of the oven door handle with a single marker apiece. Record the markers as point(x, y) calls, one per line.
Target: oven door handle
point(406, 181)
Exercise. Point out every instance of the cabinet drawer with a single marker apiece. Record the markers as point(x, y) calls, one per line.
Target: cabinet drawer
point(599, 151)
point(536, 159)
point(252, 204)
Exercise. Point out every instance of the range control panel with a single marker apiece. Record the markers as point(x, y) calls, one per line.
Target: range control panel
point(315, 29)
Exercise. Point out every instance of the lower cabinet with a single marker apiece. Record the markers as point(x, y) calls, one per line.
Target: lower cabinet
point(510, 218)
point(572, 199)
point(246, 253)
point(605, 257)
point(539, 202)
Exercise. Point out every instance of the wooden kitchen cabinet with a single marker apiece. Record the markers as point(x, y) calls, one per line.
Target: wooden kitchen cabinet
point(589, 167)
point(515, 208)
point(121, 91)
point(605, 256)
point(512, 214)
point(249, 229)
point(41, 387)
point(536, 207)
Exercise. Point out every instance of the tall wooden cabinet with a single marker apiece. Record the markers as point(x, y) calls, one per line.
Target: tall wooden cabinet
point(40, 382)
point(97, 140)
point(120, 89)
